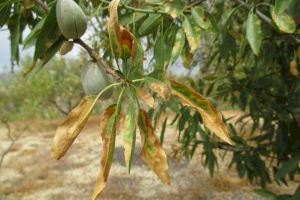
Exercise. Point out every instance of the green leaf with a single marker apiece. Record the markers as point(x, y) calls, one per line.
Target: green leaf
point(288, 167)
point(283, 21)
point(178, 45)
point(266, 193)
point(254, 32)
point(174, 8)
point(192, 33)
point(282, 5)
point(212, 118)
point(163, 130)
point(32, 36)
point(149, 24)
point(130, 125)
point(159, 53)
point(201, 18)
point(4, 13)
point(48, 35)
point(15, 35)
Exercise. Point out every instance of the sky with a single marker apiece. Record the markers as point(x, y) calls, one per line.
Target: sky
point(4, 49)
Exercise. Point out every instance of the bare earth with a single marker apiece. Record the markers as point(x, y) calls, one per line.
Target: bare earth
point(29, 173)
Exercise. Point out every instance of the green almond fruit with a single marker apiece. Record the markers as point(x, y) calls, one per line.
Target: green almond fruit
point(94, 79)
point(71, 19)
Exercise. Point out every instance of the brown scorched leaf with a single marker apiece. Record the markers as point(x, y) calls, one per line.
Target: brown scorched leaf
point(108, 124)
point(146, 97)
point(152, 152)
point(71, 127)
point(212, 118)
point(160, 87)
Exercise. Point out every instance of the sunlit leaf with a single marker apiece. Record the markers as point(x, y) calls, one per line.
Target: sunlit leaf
point(159, 53)
point(108, 125)
point(68, 131)
point(192, 33)
point(212, 118)
point(130, 125)
point(152, 152)
point(254, 32)
point(174, 7)
point(149, 24)
point(283, 21)
point(32, 36)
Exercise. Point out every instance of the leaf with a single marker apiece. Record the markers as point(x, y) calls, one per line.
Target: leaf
point(282, 5)
point(163, 130)
point(14, 27)
point(108, 125)
point(294, 68)
point(254, 32)
point(160, 87)
point(149, 24)
point(283, 21)
point(159, 53)
point(66, 47)
point(212, 118)
point(174, 7)
point(4, 13)
point(266, 193)
point(152, 152)
point(201, 18)
point(146, 97)
point(187, 57)
point(178, 45)
point(130, 125)
point(49, 34)
point(68, 131)
point(32, 36)
point(192, 33)
point(288, 167)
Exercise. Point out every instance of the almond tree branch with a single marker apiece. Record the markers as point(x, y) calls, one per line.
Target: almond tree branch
point(100, 62)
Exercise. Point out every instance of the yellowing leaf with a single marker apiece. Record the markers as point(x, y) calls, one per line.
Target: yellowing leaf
point(71, 127)
point(294, 68)
point(174, 7)
point(108, 124)
point(178, 45)
point(212, 118)
point(152, 152)
point(130, 123)
point(283, 21)
point(159, 87)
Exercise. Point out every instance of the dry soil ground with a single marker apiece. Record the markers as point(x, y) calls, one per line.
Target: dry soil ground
point(29, 173)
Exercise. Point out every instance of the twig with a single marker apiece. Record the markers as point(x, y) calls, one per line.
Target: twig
point(100, 62)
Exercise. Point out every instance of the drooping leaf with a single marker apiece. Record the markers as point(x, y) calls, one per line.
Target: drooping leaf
point(160, 87)
point(130, 125)
point(152, 152)
point(254, 32)
point(108, 125)
point(192, 33)
point(283, 21)
point(68, 131)
point(174, 7)
point(178, 45)
point(159, 54)
point(282, 5)
point(288, 167)
point(212, 118)
point(32, 36)
point(14, 26)
point(146, 97)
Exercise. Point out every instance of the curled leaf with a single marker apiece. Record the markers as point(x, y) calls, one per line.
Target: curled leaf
point(152, 152)
point(212, 118)
point(71, 127)
point(108, 124)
